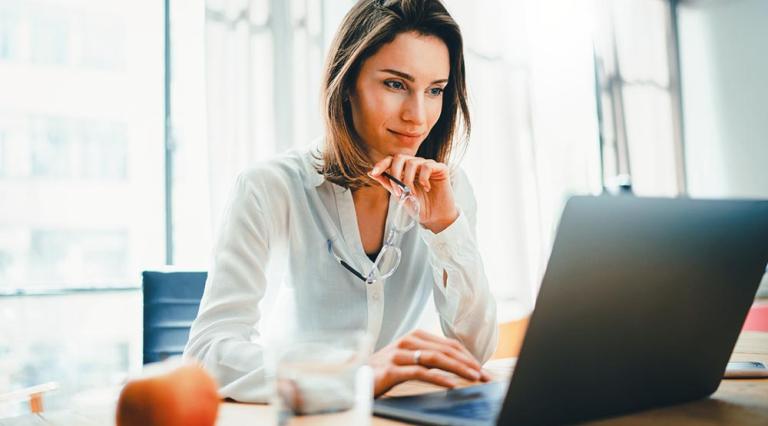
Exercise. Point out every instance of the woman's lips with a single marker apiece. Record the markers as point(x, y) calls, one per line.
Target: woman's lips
point(409, 137)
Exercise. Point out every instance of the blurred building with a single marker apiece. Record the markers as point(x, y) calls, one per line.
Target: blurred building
point(81, 185)
point(81, 142)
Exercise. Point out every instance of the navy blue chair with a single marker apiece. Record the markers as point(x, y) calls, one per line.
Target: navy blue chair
point(171, 301)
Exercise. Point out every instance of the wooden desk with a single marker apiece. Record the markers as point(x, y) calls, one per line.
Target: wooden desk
point(736, 402)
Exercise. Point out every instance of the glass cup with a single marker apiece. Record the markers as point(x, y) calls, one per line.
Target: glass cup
point(326, 375)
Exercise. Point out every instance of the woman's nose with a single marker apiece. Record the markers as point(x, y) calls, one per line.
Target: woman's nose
point(414, 110)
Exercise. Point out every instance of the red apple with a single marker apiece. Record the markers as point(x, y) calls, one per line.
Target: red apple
point(186, 396)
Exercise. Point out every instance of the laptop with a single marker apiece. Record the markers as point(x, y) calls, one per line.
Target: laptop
point(640, 306)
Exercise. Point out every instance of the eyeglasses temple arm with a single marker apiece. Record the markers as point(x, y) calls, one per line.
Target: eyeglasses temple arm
point(396, 180)
point(342, 262)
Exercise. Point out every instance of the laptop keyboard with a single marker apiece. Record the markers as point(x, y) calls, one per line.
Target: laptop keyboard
point(481, 409)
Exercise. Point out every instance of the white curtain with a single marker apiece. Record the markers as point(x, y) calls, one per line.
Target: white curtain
point(263, 68)
point(535, 131)
point(239, 78)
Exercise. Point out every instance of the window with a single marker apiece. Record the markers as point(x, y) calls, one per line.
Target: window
point(639, 94)
point(103, 41)
point(78, 149)
point(2, 152)
point(51, 145)
point(49, 34)
point(8, 30)
point(82, 156)
point(81, 184)
point(88, 256)
point(56, 338)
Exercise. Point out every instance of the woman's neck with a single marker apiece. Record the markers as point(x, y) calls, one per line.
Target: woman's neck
point(371, 203)
point(370, 197)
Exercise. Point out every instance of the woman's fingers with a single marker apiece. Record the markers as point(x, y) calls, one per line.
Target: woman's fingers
point(381, 166)
point(411, 372)
point(435, 359)
point(419, 174)
point(410, 170)
point(416, 344)
point(424, 174)
point(377, 174)
point(452, 343)
point(426, 357)
point(419, 171)
point(397, 165)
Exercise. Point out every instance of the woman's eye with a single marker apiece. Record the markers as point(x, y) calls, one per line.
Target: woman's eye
point(436, 91)
point(394, 84)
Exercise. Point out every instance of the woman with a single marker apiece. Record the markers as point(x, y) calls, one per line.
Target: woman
point(394, 96)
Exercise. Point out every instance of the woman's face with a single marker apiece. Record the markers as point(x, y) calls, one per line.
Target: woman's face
point(398, 95)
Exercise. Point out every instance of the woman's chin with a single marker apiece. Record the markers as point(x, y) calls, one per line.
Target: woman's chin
point(404, 148)
point(393, 148)
point(409, 151)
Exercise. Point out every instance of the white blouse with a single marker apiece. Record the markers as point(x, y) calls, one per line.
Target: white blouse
point(285, 206)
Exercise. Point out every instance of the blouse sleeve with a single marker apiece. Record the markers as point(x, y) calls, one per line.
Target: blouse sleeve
point(464, 302)
point(222, 336)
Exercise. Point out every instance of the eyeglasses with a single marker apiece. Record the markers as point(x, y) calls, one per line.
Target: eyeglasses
point(403, 219)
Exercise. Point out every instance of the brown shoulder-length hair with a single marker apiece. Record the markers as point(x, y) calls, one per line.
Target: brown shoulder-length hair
point(368, 26)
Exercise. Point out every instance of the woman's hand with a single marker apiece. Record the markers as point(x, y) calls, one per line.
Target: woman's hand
point(429, 181)
point(420, 355)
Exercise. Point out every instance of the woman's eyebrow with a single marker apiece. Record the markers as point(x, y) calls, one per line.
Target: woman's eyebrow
point(408, 76)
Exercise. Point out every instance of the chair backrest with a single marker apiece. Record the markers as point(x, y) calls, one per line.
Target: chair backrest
point(171, 301)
